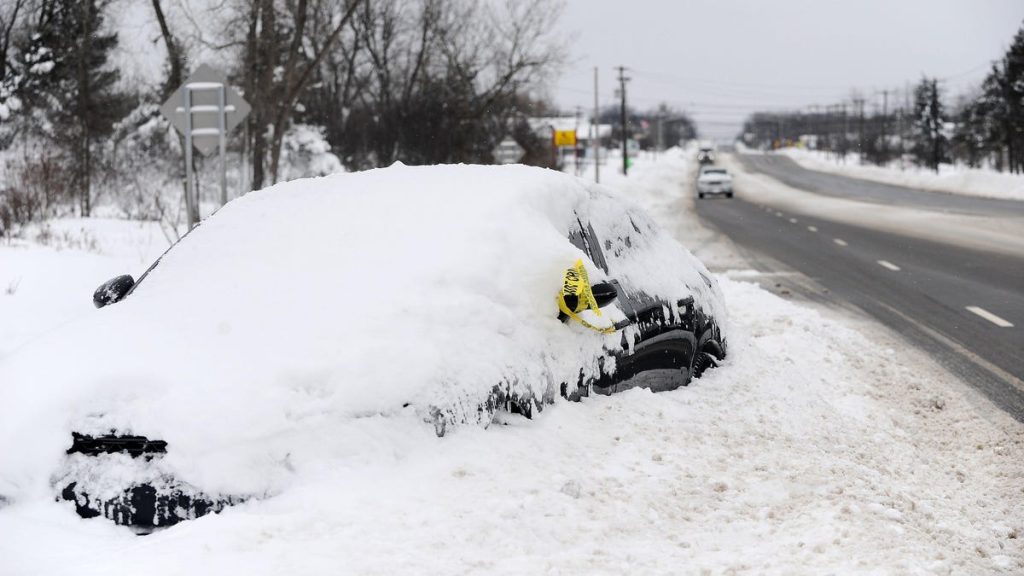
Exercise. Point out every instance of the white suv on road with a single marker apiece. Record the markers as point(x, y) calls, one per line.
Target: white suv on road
point(714, 180)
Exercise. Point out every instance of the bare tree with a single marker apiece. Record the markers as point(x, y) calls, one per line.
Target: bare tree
point(8, 22)
point(276, 76)
point(175, 55)
point(440, 78)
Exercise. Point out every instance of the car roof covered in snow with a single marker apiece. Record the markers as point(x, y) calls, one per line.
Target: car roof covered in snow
point(318, 300)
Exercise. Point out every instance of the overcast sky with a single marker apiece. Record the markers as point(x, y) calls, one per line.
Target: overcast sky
point(721, 59)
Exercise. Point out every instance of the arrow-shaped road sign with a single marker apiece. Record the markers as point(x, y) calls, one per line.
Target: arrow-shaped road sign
point(204, 94)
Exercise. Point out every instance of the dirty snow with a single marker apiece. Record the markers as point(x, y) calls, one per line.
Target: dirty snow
point(823, 445)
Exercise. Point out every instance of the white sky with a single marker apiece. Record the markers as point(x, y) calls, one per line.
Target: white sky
point(721, 59)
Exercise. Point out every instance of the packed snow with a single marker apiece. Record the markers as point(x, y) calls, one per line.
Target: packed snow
point(822, 445)
point(984, 182)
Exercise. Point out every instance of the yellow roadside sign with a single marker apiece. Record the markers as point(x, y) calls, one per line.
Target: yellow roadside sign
point(565, 137)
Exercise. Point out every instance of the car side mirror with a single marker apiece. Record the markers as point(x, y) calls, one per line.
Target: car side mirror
point(112, 290)
point(604, 293)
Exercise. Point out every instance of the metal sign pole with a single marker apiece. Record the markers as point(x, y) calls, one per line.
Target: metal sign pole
point(189, 186)
point(597, 133)
point(221, 124)
point(205, 109)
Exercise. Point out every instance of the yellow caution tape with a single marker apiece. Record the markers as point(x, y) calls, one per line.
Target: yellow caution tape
point(576, 296)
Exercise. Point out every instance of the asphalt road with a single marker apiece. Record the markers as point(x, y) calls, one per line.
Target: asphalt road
point(952, 301)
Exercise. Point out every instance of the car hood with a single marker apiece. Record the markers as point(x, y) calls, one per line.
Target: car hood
point(315, 302)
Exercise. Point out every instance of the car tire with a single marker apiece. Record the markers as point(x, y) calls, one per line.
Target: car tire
point(728, 195)
point(700, 195)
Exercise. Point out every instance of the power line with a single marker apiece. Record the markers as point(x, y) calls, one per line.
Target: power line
point(727, 83)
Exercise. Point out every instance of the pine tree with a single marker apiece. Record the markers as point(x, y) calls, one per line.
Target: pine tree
point(74, 95)
point(930, 145)
point(1012, 87)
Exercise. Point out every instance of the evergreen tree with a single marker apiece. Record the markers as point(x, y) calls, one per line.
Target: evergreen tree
point(930, 144)
point(69, 87)
point(970, 139)
point(1011, 86)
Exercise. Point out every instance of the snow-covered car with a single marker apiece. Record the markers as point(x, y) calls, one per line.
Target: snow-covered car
point(430, 296)
point(714, 180)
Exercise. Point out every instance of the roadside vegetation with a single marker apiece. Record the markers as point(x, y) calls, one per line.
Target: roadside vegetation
point(333, 85)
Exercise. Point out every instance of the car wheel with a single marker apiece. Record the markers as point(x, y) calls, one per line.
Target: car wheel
point(728, 195)
point(710, 354)
point(701, 362)
point(700, 195)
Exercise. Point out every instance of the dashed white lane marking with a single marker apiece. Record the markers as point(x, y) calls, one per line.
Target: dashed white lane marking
point(840, 241)
point(792, 220)
point(779, 214)
point(812, 228)
point(889, 265)
point(990, 317)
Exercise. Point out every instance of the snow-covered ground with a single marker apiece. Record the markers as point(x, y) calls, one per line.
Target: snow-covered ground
point(823, 445)
point(47, 278)
point(982, 182)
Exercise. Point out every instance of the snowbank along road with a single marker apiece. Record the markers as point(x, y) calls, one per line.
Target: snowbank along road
point(944, 270)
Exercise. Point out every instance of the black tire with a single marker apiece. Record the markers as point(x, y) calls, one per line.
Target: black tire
point(728, 195)
point(700, 195)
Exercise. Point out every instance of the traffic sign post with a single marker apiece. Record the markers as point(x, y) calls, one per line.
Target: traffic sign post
point(565, 138)
point(508, 152)
point(562, 139)
point(205, 109)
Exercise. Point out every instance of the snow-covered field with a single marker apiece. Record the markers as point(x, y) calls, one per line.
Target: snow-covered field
point(823, 445)
point(952, 179)
point(47, 278)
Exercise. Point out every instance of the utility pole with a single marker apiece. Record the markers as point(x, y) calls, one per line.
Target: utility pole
point(597, 134)
point(833, 129)
point(859, 103)
point(846, 132)
point(622, 117)
point(885, 127)
point(576, 148)
point(908, 126)
point(899, 128)
point(661, 142)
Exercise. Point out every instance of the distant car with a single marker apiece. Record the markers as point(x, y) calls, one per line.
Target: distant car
point(705, 156)
point(714, 180)
point(300, 317)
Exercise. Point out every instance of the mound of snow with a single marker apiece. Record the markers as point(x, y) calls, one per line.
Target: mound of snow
point(298, 308)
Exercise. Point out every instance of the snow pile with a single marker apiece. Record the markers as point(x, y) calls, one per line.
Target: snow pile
point(305, 152)
point(823, 445)
point(952, 179)
point(815, 449)
point(404, 292)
